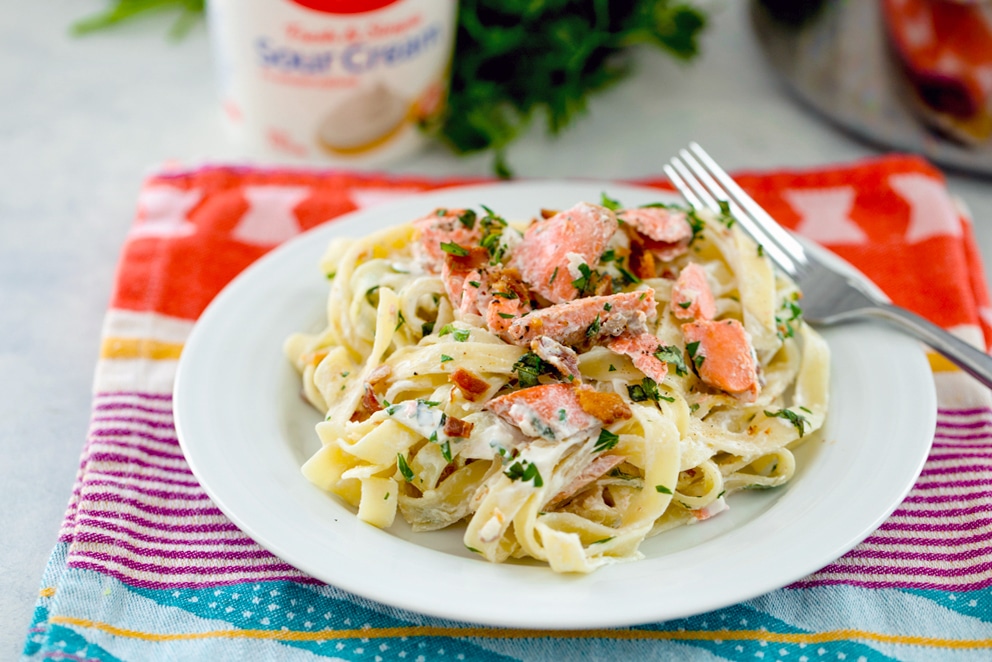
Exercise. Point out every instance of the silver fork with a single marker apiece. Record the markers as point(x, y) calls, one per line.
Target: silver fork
point(829, 296)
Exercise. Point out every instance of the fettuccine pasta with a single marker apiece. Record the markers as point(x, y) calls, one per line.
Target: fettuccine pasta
point(566, 387)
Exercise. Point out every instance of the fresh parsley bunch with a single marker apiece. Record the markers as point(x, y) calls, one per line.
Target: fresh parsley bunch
point(515, 59)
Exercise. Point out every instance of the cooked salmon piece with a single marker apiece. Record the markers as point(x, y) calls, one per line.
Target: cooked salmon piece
point(564, 359)
point(508, 300)
point(599, 467)
point(724, 358)
point(552, 249)
point(586, 321)
point(692, 296)
point(549, 411)
point(466, 279)
point(642, 348)
point(557, 411)
point(665, 232)
point(443, 226)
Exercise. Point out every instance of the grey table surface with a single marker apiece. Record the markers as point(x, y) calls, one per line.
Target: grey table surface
point(84, 120)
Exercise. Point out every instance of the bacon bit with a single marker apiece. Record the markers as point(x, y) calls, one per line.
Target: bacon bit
point(604, 286)
point(691, 295)
point(456, 427)
point(564, 359)
point(641, 261)
point(596, 469)
point(548, 213)
point(470, 385)
point(368, 405)
point(724, 357)
point(379, 374)
point(607, 407)
point(641, 349)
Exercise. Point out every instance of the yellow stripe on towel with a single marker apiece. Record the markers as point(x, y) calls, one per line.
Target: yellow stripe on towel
point(498, 633)
point(140, 348)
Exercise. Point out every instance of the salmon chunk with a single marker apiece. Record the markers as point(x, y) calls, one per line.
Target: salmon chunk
point(642, 350)
point(507, 299)
point(466, 278)
point(692, 296)
point(666, 233)
point(552, 249)
point(557, 411)
point(443, 226)
point(550, 411)
point(586, 321)
point(724, 358)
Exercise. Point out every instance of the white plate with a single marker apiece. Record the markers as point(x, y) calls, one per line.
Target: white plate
point(246, 431)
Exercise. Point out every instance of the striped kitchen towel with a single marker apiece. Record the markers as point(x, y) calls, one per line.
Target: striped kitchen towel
point(147, 568)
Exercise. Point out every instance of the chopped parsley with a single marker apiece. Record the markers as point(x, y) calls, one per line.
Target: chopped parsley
point(554, 274)
point(453, 248)
point(400, 321)
point(529, 367)
point(506, 316)
point(427, 328)
point(685, 304)
point(798, 420)
point(593, 328)
point(461, 335)
point(790, 312)
point(662, 489)
point(467, 218)
point(586, 282)
point(672, 355)
point(562, 414)
point(445, 358)
point(627, 277)
point(606, 441)
point(608, 256)
point(506, 295)
point(646, 390)
point(525, 471)
point(475, 283)
point(610, 203)
point(602, 540)
point(404, 467)
point(693, 348)
point(492, 232)
point(612, 368)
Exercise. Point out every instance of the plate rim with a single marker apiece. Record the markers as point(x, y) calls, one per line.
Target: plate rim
point(458, 613)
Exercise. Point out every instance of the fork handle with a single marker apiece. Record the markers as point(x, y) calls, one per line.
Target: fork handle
point(973, 361)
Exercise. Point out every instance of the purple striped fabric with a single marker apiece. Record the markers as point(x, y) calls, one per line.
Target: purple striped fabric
point(941, 533)
point(138, 514)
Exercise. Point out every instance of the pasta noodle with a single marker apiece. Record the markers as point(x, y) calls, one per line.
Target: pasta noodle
point(566, 387)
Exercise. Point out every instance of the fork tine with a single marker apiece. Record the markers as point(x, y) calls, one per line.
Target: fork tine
point(702, 196)
point(699, 180)
point(676, 179)
point(743, 200)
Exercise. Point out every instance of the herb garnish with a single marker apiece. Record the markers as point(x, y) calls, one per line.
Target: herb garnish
point(461, 335)
point(525, 471)
point(692, 348)
point(798, 421)
point(529, 367)
point(404, 467)
point(606, 441)
point(453, 248)
point(610, 203)
point(672, 355)
point(662, 489)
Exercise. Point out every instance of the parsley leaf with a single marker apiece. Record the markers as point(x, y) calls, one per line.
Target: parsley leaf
point(404, 467)
point(606, 441)
point(525, 471)
point(798, 421)
point(453, 248)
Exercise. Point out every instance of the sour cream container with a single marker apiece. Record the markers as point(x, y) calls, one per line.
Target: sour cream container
point(350, 82)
